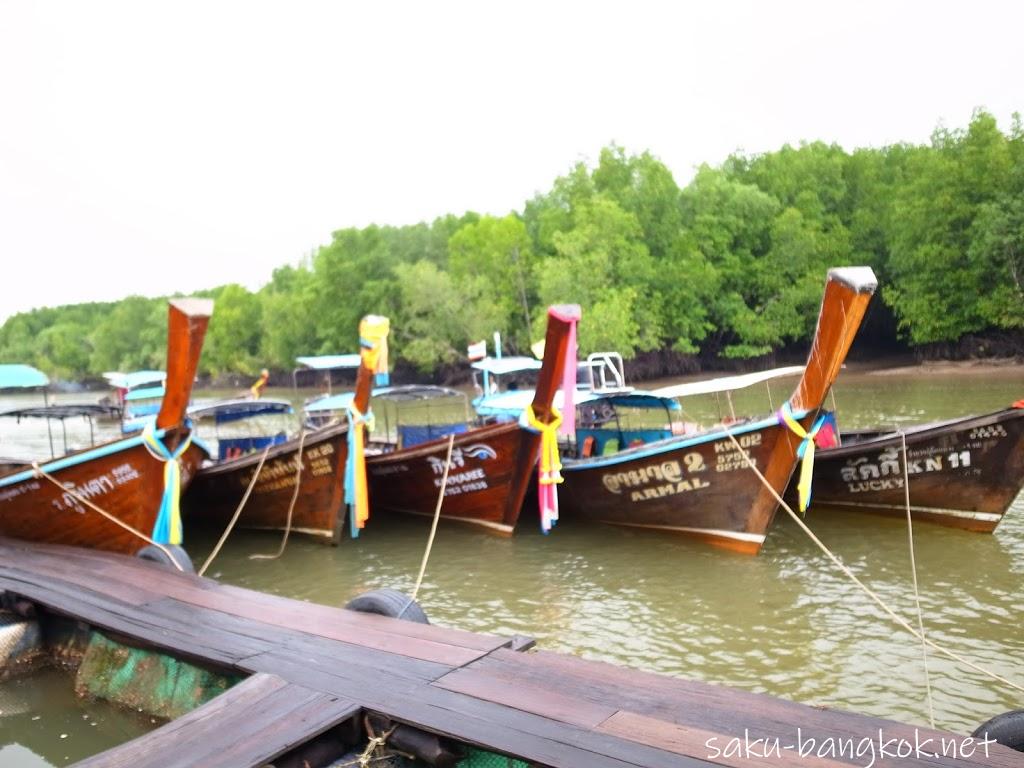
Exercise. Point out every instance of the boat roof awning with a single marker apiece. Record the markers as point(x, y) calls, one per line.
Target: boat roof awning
point(410, 392)
point(501, 365)
point(18, 376)
point(61, 412)
point(515, 402)
point(726, 383)
point(407, 393)
point(224, 411)
point(133, 379)
point(328, 362)
point(145, 393)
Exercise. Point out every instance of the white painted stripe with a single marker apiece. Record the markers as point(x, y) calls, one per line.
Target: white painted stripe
point(757, 538)
point(485, 523)
point(307, 531)
point(988, 517)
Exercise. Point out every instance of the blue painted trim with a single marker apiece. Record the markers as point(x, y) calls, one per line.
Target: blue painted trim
point(669, 445)
point(80, 458)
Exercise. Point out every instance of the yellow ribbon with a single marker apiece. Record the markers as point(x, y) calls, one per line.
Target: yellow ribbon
point(805, 452)
point(168, 528)
point(550, 461)
point(356, 494)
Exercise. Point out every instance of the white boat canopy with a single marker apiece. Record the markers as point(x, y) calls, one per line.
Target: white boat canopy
point(328, 362)
point(727, 383)
point(498, 366)
point(134, 379)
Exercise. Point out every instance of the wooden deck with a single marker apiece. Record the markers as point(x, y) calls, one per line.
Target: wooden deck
point(314, 666)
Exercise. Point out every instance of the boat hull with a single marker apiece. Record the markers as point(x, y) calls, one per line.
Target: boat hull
point(962, 474)
point(122, 478)
point(319, 506)
point(700, 487)
point(486, 483)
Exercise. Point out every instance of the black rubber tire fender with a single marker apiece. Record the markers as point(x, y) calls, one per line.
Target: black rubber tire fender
point(156, 555)
point(389, 602)
point(1007, 729)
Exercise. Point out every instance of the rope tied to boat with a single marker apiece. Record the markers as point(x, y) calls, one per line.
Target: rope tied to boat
point(804, 451)
point(549, 466)
point(356, 494)
point(861, 585)
point(167, 529)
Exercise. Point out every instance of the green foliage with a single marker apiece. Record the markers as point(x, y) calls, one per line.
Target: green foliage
point(732, 264)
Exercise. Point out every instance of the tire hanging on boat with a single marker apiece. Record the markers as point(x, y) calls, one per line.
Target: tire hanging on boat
point(1007, 729)
point(388, 602)
point(159, 556)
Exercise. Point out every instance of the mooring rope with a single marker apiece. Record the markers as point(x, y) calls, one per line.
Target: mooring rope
point(913, 570)
point(40, 472)
point(238, 512)
point(291, 506)
point(433, 525)
point(867, 590)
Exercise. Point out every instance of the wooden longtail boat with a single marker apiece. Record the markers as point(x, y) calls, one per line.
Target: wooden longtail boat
point(963, 473)
point(318, 507)
point(491, 465)
point(700, 485)
point(124, 477)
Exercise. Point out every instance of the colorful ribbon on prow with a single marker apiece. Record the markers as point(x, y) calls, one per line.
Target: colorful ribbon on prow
point(356, 494)
point(167, 529)
point(549, 466)
point(804, 452)
point(373, 349)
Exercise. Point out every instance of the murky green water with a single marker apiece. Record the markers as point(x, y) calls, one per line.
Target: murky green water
point(784, 623)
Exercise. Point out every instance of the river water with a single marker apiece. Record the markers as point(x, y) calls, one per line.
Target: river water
point(785, 622)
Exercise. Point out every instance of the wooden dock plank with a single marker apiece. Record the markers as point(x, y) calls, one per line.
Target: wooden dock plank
point(108, 573)
point(552, 709)
point(299, 642)
point(476, 721)
point(254, 722)
point(687, 706)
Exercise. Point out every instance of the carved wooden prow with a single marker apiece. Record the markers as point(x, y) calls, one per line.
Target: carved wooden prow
point(187, 321)
point(848, 290)
point(555, 350)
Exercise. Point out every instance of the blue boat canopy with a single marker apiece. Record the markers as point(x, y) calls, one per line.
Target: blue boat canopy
point(328, 362)
point(133, 379)
point(224, 411)
point(146, 393)
point(499, 366)
point(18, 376)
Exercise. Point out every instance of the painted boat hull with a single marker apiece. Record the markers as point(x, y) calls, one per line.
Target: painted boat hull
point(319, 509)
point(963, 474)
point(699, 487)
point(486, 483)
point(127, 482)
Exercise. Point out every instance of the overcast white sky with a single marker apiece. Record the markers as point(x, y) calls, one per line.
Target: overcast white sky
point(149, 147)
